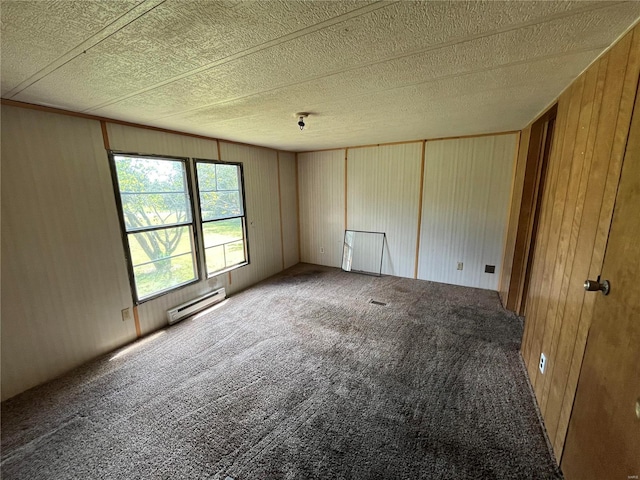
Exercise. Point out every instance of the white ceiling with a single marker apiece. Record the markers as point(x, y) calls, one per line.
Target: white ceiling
point(369, 72)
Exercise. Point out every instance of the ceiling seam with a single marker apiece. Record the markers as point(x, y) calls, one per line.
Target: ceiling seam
point(265, 46)
point(249, 51)
point(445, 77)
point(431, 48)
point(146, 6)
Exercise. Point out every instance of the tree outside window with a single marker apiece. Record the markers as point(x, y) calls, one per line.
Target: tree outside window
point(221, 201)
point(156, 213)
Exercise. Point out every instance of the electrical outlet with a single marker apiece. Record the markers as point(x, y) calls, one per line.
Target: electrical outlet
point(126, 314)
point(543, 363)
point(460, 265)
point(321, 249)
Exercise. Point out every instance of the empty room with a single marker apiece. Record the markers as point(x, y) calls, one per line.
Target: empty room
point(298, 239)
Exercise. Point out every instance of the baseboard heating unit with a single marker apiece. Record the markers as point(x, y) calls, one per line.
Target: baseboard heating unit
point(193, 306)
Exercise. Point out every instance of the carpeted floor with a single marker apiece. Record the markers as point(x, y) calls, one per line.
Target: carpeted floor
point(299, 377)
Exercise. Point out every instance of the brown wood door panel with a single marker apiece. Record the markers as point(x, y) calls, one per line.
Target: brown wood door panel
point(572, 215)
point(617, 153)
point(573, 311)
point(593, 120)
point(603, 439)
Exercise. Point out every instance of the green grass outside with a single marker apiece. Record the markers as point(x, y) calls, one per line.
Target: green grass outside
point(150, 281)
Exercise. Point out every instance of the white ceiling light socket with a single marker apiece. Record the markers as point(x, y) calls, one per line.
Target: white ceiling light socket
point(301, 116)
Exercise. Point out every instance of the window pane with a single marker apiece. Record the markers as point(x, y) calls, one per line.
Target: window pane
point(234, 253)
point(143, 210)
point(222, 211)
point(224, 244)
point(215, 258)
point(216, 205)
point(162, 259)
point(163, 274)
point(206, 176)
point(155, 245)
point(221, 232)
point(153, 192)
point(224, 256)
point(227, 177)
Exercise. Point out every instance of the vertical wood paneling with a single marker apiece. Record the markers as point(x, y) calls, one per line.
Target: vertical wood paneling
point(152, 314)
point(263, 212)
point(64, 277)
point(603, 434)
point(142, 140)
point(567, 262)
point(541, 243)
point(465, 206)
point(593, 123)
point(514, 211)
point(289, 208)
point(260, 167)
point(524, 216)
point(624, 62)
point(383, 189)
point(556, 201)
point(321, 181)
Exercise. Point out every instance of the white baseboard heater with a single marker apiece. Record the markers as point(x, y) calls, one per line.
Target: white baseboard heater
point(193, 306)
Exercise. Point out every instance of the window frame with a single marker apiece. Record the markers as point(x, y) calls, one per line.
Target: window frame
point(125, 234)
point(243, 217)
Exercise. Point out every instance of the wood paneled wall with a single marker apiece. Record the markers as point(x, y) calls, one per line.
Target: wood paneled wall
point(321, 185)
point(530, 173)
point(64, 276)
point(450, 197)
point(289, 208)
point(64, 271)
point(383, 192)
point(584, 169)
point(467, 183)
point(514, 213)
point(261, 178)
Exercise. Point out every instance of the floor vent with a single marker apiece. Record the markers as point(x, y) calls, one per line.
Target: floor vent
point(376, 302)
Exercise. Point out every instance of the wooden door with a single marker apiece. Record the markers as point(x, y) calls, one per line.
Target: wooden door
point(603, 440)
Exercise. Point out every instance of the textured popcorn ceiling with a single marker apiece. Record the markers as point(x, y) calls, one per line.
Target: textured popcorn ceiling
point(369, 72)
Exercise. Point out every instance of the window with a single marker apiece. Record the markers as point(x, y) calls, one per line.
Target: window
point(157, 220)
point(221, 200)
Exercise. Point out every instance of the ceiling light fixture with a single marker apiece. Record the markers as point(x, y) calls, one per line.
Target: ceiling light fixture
point(301, 116)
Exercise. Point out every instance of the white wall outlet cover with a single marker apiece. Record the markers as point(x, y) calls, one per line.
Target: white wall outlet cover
point(543, 362)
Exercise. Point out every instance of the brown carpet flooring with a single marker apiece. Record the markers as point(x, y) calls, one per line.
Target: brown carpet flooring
point(299, 377)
